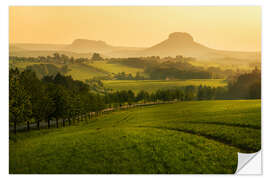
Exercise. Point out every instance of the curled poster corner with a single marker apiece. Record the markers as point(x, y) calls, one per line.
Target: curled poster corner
point(249, 164)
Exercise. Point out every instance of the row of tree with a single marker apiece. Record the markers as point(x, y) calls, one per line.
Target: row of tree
point(60, 97)
point(178, 67)
point(173, 68)
point(56, 58)
point(247, 85)
point(53, 97)
point(186, 93)
point(125, 76)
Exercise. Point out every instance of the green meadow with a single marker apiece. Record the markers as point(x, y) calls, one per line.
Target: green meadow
point(116, 68)
point(78, 71)
point(83, 71)
point(153, 85)
point(183, 137)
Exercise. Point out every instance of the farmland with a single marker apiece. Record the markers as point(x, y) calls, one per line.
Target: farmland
point(153, 85)
point(184, 137)
point(83, 71)
point(115, 68)
point(78, 71)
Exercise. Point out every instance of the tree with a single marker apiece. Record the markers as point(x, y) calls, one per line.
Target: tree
point(137, 77)
point(96, 57)
point(190, 93)
point(255, 90)
point(35, 89)
point(142, 95)
point(20, 107)
point(131, 97)
point(244, 86)
point(56, 56)
point(45, 107)
point(59, 96)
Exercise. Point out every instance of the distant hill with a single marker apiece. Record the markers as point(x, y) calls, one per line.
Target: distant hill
point(78, 48)
point(86, 46)
point(177, 43)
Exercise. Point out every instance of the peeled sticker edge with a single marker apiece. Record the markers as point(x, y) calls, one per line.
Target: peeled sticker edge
point(249, 164)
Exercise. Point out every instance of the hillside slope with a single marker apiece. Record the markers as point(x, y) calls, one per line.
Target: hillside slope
point(179, 43)
point(186, 137)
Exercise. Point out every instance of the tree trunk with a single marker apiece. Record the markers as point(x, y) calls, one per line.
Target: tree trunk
point(14, 127)
point(56, 122)
point(63, 122)
point(38, 124)
point(28, 126)
point(49, 125)
point(69, 121)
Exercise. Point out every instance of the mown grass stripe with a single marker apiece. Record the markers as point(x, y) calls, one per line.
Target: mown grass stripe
point(208, 136)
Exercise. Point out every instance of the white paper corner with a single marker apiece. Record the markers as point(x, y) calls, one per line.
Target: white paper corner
point(249, 163)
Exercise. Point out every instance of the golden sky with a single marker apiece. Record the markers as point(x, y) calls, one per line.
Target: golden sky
point(228, 28)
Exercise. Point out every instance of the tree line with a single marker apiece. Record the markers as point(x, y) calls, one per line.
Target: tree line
point(56, 58)
point(246, 85)
point(156, 68)
point(129, 76)
point(53, 97)
point(60, 97)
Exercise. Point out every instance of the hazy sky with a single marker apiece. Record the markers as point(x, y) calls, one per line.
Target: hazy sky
point(229, 28)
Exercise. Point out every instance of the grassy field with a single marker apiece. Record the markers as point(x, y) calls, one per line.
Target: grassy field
point(23, 65)
point(153, 85)
point(87, 71)
point(76, 70)
point(116, 68)
point(185, 137)
point(83, 71)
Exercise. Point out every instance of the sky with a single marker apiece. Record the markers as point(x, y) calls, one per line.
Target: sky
point(235, 28)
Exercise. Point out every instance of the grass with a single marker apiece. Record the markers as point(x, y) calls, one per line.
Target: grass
point(116, 68)
point(87, 71)
point(185, 137)
point(83, 71)
point(153, 85)
point(23, 65)
point(76, 70)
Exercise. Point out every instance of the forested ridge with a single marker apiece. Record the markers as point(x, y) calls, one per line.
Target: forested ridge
point(153, 67)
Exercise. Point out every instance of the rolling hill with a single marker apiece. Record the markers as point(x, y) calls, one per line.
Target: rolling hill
point(180, 138)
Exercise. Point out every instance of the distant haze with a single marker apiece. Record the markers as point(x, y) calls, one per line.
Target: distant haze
point(224, 28)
